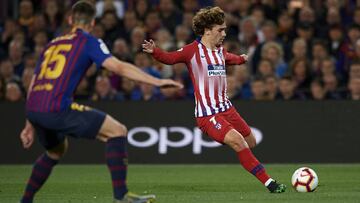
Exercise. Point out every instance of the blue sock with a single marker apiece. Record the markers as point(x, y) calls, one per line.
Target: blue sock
point(116, 159)
point(40, 173)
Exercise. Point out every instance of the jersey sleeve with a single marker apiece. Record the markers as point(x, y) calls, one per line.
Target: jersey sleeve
point(97, 51)
point(170, 58)
point(233, 59)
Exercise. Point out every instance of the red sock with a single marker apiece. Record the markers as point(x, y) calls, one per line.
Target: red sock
point(251, 164)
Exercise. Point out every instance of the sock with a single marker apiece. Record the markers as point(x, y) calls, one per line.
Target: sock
point(251, 164)
point(40, 173)
point(116, 159)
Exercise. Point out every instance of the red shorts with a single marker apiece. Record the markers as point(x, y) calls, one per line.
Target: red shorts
point(217, 125)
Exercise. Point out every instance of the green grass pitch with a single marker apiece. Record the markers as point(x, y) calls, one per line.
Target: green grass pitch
point(183, 183)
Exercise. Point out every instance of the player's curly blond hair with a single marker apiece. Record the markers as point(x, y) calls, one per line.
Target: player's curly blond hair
point(207, 18)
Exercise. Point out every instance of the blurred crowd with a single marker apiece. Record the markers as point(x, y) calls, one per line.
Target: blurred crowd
point(298, 49)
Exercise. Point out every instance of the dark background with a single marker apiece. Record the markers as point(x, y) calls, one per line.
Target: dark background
point(293, 132)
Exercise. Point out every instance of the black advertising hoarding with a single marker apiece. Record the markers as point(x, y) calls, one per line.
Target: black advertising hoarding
point(165, 132)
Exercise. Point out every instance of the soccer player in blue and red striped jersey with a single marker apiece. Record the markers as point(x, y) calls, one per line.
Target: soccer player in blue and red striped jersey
point(206, 59)
point(52, 115)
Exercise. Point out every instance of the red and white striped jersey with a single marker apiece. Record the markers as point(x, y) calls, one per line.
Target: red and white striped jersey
point(208, 74)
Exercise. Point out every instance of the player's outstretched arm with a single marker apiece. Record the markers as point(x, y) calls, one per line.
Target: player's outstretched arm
point(233, 59)
point(134, 73)
point(169, 58)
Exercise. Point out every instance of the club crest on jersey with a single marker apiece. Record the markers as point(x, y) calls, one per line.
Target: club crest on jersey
point(217, 125)
point(216, 70)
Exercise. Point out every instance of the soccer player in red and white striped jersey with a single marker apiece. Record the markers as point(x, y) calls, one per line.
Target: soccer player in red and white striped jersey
point(215, 115)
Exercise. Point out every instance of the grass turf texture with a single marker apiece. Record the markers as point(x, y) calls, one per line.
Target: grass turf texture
point(183, 183)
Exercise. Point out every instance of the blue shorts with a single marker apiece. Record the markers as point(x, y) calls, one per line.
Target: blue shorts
point(52, 127)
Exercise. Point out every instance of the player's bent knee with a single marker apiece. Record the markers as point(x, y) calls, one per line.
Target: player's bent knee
point(119, 130)
point(251, 141)
point(58, 151)
point(235, 140)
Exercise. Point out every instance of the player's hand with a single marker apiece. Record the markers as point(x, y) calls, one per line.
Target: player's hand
point(148, 46)
point(167, 83)
point(245, 57)
point(27, 135)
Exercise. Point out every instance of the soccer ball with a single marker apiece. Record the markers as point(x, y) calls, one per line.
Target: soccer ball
point(304, 179)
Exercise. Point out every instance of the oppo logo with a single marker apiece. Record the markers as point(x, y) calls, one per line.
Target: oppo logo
point(162, 138)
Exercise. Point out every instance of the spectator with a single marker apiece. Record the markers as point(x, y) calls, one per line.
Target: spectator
point(319, 53)
point(26, 79)
point(164, 40)
point(331, 87)
point(187, 20)
point(111, 27)
point(180, 74)
point(287, 89)
point(301, 74)
point(7, 71)
point(347, 49)
point(120, 49)
point(285, 32)
point(129, 89)
point(13, 92)
point(142, 8)
point(274, 52)
point(152, 24)
point(335, 38)
point(169, 15)
point(317, 91)
point(7, 34)
point(182, 36)
point(242, 75)
point(233, 87)
point(104, 91)
point(143, 61)
point(354, 70)
point(354, 89)
point(130, 21)
point(53, 15)
point(116, 6)
point(40, 24)
point(26, 15)
point(306, 32)
point(82, 90)
point(190, 5)
point(299, 48)
point(258, 89)
point(16, 52)
point(319, 41)
point(257, 13)
point(99, 31)
point(137, 38)
point(149, 93)
point(267, 34)
point(248, 36)
point(266, 68)
point(40, 38)
point(271, 87)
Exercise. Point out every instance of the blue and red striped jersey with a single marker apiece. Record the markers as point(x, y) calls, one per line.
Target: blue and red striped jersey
point(61, 67)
